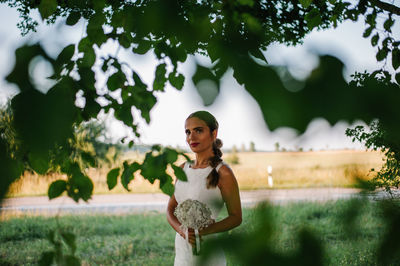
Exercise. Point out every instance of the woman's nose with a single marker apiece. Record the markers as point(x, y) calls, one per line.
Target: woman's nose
point(190, 136)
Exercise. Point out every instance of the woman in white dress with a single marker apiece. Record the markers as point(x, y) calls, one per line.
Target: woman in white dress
point(210, 181)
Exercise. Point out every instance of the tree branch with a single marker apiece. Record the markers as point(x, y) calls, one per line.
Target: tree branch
point(386, 6)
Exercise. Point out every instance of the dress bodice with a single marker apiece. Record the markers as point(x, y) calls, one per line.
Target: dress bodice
point(195, 188)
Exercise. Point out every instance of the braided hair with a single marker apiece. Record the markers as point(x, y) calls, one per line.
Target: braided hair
point(213, 161)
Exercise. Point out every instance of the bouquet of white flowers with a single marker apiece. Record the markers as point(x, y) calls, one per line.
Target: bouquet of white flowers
point(193, 214)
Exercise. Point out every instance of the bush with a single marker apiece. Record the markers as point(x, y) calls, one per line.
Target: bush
point(233, 158)
point(376, 139)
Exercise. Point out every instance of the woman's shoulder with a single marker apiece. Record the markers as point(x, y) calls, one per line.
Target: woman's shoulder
point(223, 167)
point(226, 176)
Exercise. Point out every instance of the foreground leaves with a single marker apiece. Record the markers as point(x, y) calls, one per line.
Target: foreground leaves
point(154, 167)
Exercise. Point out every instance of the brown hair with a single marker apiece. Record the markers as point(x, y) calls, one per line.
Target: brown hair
point(213, 161)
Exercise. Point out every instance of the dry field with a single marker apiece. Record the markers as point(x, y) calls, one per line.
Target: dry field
point(289, 170)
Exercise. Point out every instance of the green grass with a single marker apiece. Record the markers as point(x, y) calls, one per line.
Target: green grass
point(147, 239)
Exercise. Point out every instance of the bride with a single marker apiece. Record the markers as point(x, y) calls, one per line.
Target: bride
point(210, 181)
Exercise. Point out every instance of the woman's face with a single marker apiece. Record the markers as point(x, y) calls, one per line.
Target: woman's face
point(198, 135)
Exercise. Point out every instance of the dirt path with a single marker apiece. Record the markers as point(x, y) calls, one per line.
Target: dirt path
point(133, 203)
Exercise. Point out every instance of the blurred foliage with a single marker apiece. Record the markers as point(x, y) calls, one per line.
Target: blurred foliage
point(86, 150)
point(91, 142)
point(260, 248)
point(380, 135)
point(232, 158)
point(60, 239)
point(252, 147)
point(7, 132)
point(375, 137)
point(256, 245)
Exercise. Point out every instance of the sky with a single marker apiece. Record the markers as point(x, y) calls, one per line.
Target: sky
point(237, 112)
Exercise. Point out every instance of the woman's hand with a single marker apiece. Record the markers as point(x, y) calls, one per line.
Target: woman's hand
point(181, 233)
point(192, 237)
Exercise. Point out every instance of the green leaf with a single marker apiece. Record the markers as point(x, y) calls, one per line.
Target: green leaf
point(116, 81)
point(88, 158)
point(79, 186)
point(179, 173)
point(84, 44)
point(112, 177)
point(98, 5)
point(47, 8)
point(20, 74)
point(71, 261)
point(128, 174)
point(70, 240)
point(156, 147)
point(166, 185)
point(66, 54)
point(257, 53)
point(397, 77)
point(89, 57)
point(39, 161)
point(124, 114)
point(125, 39)
point(176, 81)
point(47, 258)
point(375, 39)
point(10, 169)
point(388, 24)
point(249, 3)
point(171, 155)
point(160, 78)
point(381, 54)
point(204, 79)
point(95, 30)
point(73, 18)
point(57, 188)
point(313, 18)
point(395, 58)
point(143, 47)
point(91, 109)
point(305, 3)
point(367, 32)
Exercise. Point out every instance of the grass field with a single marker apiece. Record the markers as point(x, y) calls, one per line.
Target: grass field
point(290, 169)
point(147, 239)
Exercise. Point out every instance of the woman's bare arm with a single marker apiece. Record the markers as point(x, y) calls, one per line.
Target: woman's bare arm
point(230, 194)
point(172, 220)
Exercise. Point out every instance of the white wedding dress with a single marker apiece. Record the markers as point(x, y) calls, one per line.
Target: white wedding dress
point(195, 189)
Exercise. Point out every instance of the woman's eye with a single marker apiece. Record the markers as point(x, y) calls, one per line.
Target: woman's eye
point(199, 130)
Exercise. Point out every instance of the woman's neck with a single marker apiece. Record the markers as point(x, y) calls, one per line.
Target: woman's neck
point(202, 159)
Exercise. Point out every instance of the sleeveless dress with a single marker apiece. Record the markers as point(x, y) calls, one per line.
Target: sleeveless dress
point(195, 188)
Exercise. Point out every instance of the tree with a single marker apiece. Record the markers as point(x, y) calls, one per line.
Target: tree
point(377, 136)
point(233, 34)
point(242, 148)
point(234, 149)
point(252, 146)
point(277, 146)
point(233, 158)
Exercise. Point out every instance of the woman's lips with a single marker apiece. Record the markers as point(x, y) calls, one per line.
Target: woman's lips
point(194, 144)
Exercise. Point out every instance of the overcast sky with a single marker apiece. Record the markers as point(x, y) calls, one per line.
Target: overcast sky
point(238, 114)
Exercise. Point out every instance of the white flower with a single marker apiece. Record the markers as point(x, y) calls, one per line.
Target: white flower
point(193, 214)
